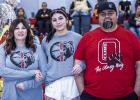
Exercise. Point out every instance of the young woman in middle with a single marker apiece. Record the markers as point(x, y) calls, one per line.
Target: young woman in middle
point(59, 46)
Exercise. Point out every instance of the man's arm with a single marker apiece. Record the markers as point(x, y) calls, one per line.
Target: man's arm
point(137, 83)
point(79, 77)
point(79, 82)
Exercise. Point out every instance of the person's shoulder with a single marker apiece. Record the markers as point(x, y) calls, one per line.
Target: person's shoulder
point(75, 34)
point(49, 10)
point(92, 32)
point(125, 31)
point(2, 45)
point(44, 40)
point(38, 46)
point(122, 28)
point(40, 10)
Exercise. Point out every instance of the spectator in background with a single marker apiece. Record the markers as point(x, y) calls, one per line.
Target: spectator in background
point(134, 22)
point(124, 11)
point(43, 19)
point(7, 11)
point(80, 12)
point(95, 11)
point(21, 13)
point(7, 15)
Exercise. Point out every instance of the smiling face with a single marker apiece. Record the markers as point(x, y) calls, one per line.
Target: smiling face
point(59, 22)
point(20, 33)
point(108, 16)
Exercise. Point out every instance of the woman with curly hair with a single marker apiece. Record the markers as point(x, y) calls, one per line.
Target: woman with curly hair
point(22, 64)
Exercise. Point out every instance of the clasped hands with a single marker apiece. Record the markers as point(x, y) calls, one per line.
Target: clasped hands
point(38, 77)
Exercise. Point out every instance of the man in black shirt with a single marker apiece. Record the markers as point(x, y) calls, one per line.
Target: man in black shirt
point(43, 18)
point(124, 10)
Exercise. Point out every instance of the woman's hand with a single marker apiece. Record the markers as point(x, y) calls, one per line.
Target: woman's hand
point(20, 86)
point(38, 75)
point(77, 69)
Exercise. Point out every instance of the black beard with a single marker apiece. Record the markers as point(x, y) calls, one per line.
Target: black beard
point(107, 24)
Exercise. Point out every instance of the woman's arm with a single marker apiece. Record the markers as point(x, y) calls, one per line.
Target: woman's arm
point(42, 67)
point(12, 73)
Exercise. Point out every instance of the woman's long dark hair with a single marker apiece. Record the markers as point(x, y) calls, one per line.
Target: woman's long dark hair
point(10, 41)
point(52, 32)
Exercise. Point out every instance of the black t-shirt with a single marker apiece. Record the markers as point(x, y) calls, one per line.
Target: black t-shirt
point(125, 5)
point(41, 12)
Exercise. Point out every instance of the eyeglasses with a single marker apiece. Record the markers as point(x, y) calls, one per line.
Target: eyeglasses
point(104, 14)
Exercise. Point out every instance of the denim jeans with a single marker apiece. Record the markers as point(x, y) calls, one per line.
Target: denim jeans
point(81, 23)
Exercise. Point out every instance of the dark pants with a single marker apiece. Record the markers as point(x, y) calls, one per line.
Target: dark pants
point(44, 26)
point(81, 23)
point(86, 96)
point(122, 17)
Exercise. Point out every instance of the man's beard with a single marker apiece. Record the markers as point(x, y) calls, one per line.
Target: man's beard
point(107, 24)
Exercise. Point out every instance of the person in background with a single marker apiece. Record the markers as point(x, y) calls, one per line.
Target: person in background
point(21, 13)
point(112, 58)
point(124, 11)
point(134, 22)
point(22, 64)
point(7, 11)
point(59, 47)
point(80, 12)
point(43, 19)
point(95, 11)
point(7, 15)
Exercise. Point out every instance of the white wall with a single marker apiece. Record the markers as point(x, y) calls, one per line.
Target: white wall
point(30, 6)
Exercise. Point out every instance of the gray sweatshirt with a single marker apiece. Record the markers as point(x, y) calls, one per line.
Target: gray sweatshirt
point(20, 66)
point(59, 52)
